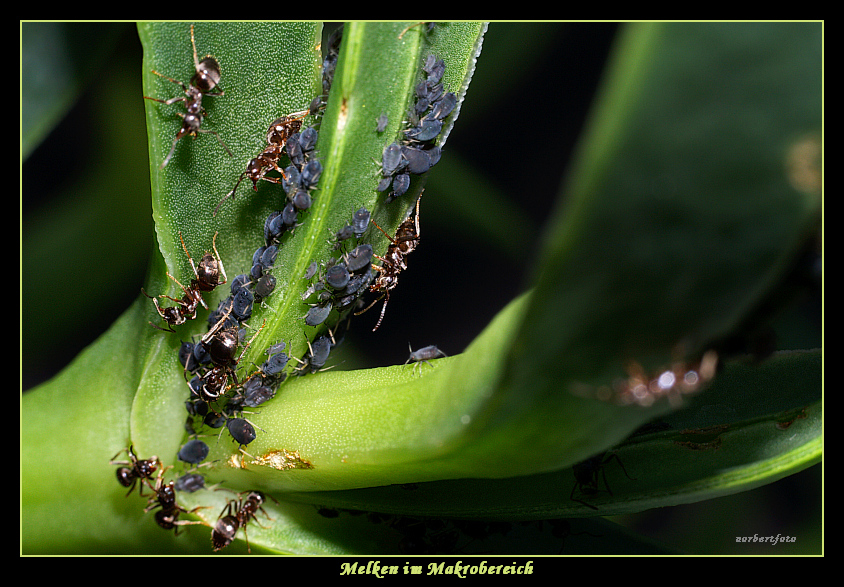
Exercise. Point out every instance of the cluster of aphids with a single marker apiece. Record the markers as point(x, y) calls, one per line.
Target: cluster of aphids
point(418, 153)
point(218, 397)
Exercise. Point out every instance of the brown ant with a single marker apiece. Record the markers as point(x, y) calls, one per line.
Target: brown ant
point(205, 79)
point(138, 470)
point(393, 263)
point(165, 498)
point(238, 513)
point(277, 134)
point(207, 278)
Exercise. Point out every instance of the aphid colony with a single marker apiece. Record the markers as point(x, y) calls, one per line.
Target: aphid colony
point(218, 397)
point(418, 153)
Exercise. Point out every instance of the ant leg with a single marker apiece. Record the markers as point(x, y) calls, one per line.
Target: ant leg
point(213, 330)
point(218, 138)
point(219, 260)
point(170, 154)
point(185, 249)
point(231, 193)
point(385, 234)
point(251, 340)
point(615, 456)
point(573, 498)
point(184, 289)
point(369, 306)
point(383, 309)
point(171, 100)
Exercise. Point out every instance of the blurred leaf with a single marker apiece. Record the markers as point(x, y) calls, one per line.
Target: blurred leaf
point(56, 62)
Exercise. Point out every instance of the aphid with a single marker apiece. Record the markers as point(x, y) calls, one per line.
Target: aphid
point(332, 53)
point(381, 123)
point(343, 234)
point(359, 257)
point(205, 79)
point(137, 470)
point(190, 482)
point(301, 200)
point(360, 221)
point(586, 476)
point(207, 278)
point(318, 352)
point(391, 159)
point(401, 183)
point(241, 429)
point(257, 168)
point(424, 354)
point(242, 304)
point(275, 364)
point(256, 396)
point(265, 286)
point(393, 263)
point(310, 175)
point(444, 106)
point(238, 513)
point(317, 314)
point(193, 452)
point(308, 139)
point(428, 129)
point(337, 277)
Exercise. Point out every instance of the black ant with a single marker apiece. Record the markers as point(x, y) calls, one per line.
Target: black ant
point(257, 168)
point(221, 343)
point(238, 513)
point(207, 278)
point(138, 470)
point(586, 476)
point(205, 79)
point(393, 263)
point(165, 498)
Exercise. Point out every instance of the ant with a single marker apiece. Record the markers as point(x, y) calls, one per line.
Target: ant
point(393, 263)
point(586, 476)
point(165, 498)
point(138, 470)
point(238, 513)
point(257, 168)
point(205, 79)
point(221, 343)
point(207, 278)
